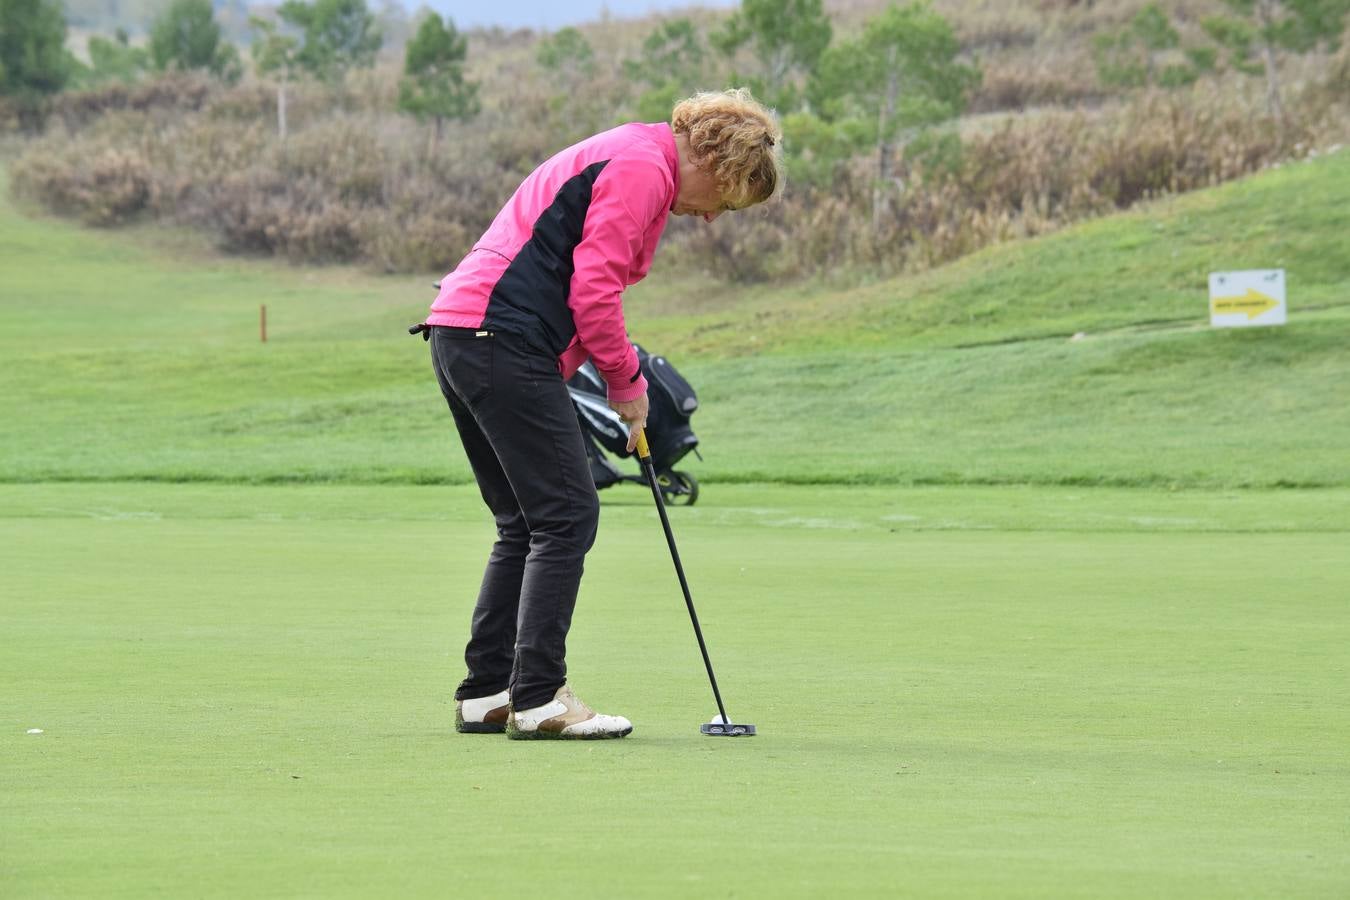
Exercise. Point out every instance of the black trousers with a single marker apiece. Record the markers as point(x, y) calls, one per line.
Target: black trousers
point(523, 441)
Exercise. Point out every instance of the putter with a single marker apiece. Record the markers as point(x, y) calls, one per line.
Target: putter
point(726, 728)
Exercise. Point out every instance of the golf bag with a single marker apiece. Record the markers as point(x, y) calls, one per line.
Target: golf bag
point(672, 403)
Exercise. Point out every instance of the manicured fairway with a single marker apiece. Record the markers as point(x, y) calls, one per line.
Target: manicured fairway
point(1041, 690)
point(963, 692)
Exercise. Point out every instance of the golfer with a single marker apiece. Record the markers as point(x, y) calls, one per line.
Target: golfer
point(539, 294)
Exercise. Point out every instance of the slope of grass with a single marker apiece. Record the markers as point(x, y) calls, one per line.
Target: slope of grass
point(1149, 265)
point(127, 361)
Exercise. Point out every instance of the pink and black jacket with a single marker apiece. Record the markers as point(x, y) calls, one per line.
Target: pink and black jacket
point(553, 265)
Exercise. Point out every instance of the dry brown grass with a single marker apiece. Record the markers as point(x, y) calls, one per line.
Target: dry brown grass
point(1021, 176)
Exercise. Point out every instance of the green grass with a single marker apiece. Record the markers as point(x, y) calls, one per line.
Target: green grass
point(961, 693)
point(978, 668)
point(138, 359)
point(1149, 266)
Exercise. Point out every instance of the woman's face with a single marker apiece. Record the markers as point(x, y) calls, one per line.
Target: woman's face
point(699, 195)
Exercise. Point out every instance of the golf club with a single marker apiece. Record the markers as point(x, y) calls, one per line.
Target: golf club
point(724, 727)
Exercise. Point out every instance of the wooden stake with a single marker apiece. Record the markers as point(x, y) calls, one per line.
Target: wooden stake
point(262, 322)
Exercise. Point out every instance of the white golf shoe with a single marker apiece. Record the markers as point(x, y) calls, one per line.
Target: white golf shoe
point(565, 718)
point(483, 715)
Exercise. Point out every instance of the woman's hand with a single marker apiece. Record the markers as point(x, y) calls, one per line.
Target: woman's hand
point(634, 414)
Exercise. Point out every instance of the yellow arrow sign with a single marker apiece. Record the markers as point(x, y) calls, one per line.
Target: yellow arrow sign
point(1253, 303)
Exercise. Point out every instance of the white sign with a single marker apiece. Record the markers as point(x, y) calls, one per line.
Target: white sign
point(1240, 299)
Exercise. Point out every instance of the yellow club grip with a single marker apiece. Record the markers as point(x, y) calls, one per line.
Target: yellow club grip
point(643, 451)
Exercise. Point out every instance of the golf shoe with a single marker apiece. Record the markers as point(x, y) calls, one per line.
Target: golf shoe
point(484, 715)
point(565, 717)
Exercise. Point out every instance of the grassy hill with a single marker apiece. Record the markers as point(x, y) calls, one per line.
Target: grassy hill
point(136, 356)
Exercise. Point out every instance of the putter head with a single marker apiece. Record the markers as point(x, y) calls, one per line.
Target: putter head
point(717, 729)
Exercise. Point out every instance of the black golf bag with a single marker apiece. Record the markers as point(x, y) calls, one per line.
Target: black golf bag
point(669, 436)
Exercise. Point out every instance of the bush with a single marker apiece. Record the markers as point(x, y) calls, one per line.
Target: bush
point(357, 182)
point(106, 187)
point(1014, 85)
point(1028, 175)
point(175, 93)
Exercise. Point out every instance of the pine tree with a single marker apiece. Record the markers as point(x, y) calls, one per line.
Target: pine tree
point(33, 58)
point(670, 66)
point(787, 38)
point(187, 37)
point(337, 35)
point(433, 84)
point(900, 77)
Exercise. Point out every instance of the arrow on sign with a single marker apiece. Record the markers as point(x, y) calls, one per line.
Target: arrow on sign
point(1253, 303)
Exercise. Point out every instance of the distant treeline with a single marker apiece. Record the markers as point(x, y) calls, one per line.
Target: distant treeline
point(912, 136)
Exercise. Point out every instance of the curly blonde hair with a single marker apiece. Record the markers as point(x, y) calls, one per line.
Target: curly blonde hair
point(737, 140)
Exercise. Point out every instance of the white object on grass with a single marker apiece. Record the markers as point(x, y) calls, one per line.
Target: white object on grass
point(35, 731)
point(1243, 299)
point(718, 720)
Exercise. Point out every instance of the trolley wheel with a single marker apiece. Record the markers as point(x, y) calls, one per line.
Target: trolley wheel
point(678, 488)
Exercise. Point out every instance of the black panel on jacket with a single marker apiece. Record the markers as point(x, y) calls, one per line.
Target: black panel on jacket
point(530, 299)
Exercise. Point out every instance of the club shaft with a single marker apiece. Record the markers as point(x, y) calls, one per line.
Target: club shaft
point(650, 468)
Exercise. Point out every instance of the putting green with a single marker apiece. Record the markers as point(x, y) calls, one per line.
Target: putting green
point(960, 692)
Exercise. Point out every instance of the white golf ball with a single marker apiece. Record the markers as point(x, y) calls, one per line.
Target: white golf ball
point(717, 720)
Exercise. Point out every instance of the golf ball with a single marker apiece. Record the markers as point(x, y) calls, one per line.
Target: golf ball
point(717, 720)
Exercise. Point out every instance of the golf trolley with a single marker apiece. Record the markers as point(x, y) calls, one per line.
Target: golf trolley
point(668, 433)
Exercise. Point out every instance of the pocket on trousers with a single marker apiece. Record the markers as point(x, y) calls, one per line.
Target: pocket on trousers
point(468, 366)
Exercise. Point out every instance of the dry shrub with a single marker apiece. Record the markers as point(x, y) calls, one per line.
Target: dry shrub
point(323, 231)
point(246, 102)
point(1328, 93)
point(13, 116)
point(1037, 174)
point(999, 26)
point(172, 93)
point(106, 187)
point(194, 156)
point(415, 242)
point(343, 154)
point(245, 209)
point(1014, 85)
point(261, 211)
point(356, 181)
point(1029, 175)
point(347, 186)
point(746, 253)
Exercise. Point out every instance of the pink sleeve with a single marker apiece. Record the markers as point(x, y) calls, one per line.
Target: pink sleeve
point(625, 200)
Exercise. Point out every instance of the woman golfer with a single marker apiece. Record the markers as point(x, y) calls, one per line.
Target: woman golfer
point(538, 295)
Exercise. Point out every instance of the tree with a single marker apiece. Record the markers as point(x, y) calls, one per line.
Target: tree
point(901, 76)
point(787, 37)
point(337, 35)
point(1134, 55)
point(670, 66)
point(34, 61)
point(583, 96)
point(1267, 27)
point(566, 51)
point(187, 37)
point(116, 59)
point(819, 146)
point(275, 53)
point(433, 82)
